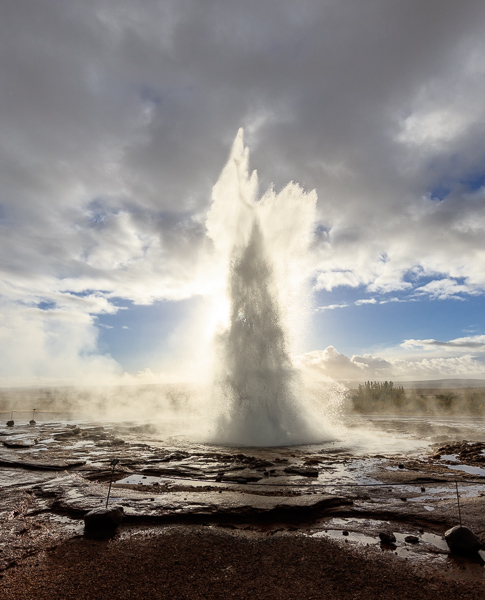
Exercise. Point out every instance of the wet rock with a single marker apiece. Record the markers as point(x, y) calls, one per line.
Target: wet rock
point(304, 471)
point(75, 496)
point(272, 473)
point(115, 442)
point(387, 537)
point(16, 442)
point(462, 540)
point(67, 434)
point(312, 462)
point(178, 471)
point(466, 452)
point(240, 476)
point(260, 463)
point(411, 539)
point(40, 465)
point(101, 522)
point(175, 456)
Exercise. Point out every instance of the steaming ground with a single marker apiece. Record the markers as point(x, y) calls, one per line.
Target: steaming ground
point(187, 411)
point(185, 414)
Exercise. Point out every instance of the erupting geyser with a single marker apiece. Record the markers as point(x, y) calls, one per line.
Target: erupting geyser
point(262, 246)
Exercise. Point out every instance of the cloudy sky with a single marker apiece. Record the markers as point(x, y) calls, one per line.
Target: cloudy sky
point(116, 118)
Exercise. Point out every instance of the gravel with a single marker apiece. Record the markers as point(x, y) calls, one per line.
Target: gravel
point(183, 562)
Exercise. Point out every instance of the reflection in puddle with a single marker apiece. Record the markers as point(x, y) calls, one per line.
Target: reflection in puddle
point(429, 546)
point(342, 529)
point(351, 537)
point(468, 469)
point(140, 480)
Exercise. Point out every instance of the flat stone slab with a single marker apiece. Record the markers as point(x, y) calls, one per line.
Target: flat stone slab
point(19, 442)
point(40, 465)
point(303, 471)
point(74, 495)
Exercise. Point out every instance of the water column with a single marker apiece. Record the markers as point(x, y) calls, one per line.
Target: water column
point(261, 245)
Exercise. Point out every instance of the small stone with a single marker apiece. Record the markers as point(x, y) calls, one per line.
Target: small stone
point(411, 539)
point(387, 537)
point(462, 540)
point(345, 532)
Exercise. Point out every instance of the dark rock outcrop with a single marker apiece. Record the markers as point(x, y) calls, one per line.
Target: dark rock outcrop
point(387, 537)
point(411, 539)
point(462, 540)
point(101, 522)
point(304, 471)
point(465, 452)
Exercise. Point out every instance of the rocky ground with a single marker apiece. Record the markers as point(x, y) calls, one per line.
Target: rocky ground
point(203, 522)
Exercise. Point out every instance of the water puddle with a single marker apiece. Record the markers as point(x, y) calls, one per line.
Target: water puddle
point(445, 492)
point(468, 469)
point(141, 480)
point(350, 530)
point(351, 536)
point(452, 457)
point(418, 547)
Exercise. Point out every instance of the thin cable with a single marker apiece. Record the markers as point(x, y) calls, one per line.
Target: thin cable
point(324, 485)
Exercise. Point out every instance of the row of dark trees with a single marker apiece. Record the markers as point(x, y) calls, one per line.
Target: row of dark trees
point(377, 396)
point(374, 396)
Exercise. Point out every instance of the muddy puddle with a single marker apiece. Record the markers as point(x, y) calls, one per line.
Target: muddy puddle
point(411, 544)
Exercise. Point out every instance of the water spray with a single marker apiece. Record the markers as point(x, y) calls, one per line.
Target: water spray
point(262, 246)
